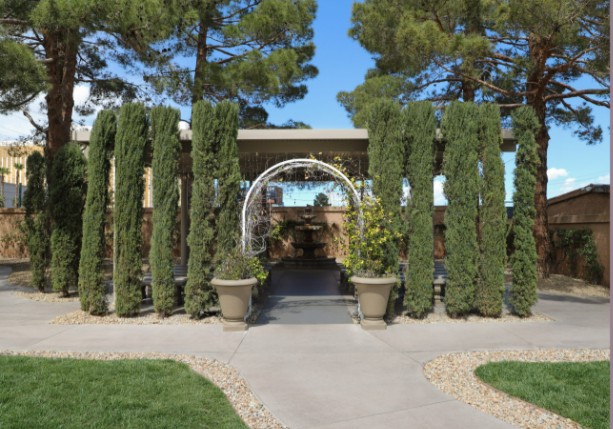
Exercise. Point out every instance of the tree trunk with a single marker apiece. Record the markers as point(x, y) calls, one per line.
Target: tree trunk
point(201, 60)
point(61, 47)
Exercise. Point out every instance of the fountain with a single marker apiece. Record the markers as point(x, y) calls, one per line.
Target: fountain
point(308, 245)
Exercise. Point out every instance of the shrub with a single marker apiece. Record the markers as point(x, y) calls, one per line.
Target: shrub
point(129, 187)
point(92, 293)
point(166, 149)
point(35, 202)
point(66, 200)
point(420, 132)
point(199, 293)
point(460, 166)
point(523, 260)
point(492, 215)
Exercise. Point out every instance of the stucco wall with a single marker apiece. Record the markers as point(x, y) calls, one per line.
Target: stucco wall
point(586, 211)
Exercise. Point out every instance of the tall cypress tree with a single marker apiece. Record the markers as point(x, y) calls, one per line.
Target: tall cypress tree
point(229, 178)
point(66, 201)
point(91, 275)
point(199, 293)
point(524, 258)
point(35, 202)
point(492, 215)
point(386, 159)
point(420, 133)
point(128, 214)
point(460, 127)
point(166, 149)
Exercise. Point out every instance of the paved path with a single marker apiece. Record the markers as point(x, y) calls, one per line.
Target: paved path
point(324, 375)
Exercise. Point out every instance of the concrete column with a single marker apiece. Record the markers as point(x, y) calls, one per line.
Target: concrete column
point(184, 217)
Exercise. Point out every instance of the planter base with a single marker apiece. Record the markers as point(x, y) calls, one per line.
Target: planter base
point(234, 326)
point(373, 325)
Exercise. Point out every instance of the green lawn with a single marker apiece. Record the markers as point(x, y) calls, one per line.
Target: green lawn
point(74, 393)
point(579, 391)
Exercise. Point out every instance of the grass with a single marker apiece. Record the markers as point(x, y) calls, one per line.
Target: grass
point(579, 391)
point(75, 393)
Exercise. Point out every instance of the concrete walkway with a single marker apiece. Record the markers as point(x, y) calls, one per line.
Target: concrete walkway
point(324, 375)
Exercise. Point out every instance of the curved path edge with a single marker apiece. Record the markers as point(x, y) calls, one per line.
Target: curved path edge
point(454, 373)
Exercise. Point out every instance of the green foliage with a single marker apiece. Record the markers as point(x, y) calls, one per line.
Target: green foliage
point(321, 200)
point(129, 187)
point(460, 127)
point(523, 260)
point(420, 131)
point(199, 293)
point(228, 176)
point(385, 157)
point(575, 243)
point(367, 256)
point(165, 165)
point(240, 50)
point(76, 393)
point(22, 75)
point(579, 391)
point(66, 201)
point(236, 265)
point(92, 293)
point(492, 215)
point(36, 221)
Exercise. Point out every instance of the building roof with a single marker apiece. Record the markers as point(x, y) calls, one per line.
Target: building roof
point(261, 149)
point(591, 188)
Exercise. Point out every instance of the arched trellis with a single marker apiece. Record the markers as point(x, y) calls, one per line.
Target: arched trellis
point(247, 221)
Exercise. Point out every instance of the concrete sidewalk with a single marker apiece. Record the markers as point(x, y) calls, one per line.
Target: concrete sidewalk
point(324, 375)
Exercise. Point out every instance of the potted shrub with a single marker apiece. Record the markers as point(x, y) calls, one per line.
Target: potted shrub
point(234, 279)
point(369, 263)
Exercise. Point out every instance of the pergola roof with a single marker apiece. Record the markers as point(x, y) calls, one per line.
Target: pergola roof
point(261, 149)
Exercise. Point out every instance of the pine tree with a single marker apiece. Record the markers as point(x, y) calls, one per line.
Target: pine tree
point(492, 215)
point(385, 156)
point(92, 293)
point(129, 187)
point(35, 202)
point(229, 178)
point(66, 202)
point(199, 293)
point(420, 133)
point(460, 127)
point(524, 258)
point(166, 149)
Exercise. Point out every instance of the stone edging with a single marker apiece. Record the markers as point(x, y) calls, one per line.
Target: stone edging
point(453, 373)
point(246, 404)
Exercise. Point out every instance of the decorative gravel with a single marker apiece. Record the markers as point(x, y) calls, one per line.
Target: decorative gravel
point(246, 404)
point(45, 297)
point(454, 374)
point(144, 318)
point(442, 317)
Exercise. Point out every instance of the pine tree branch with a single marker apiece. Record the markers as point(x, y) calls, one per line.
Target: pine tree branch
point(36, 125)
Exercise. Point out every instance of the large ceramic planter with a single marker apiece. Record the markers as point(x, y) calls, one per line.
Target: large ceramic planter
point(234, 298)
point(373, 294)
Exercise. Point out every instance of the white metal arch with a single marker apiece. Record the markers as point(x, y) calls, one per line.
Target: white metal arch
point(279, 168)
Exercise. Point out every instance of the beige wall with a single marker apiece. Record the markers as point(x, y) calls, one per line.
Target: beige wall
point(586, 211)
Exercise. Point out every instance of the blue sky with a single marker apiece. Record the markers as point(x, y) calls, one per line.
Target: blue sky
point(342, 64)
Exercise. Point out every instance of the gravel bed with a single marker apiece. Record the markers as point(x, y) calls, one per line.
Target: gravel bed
point(45, 297)
point(246, 404)
point(144, 318)
point(454, 374)
point(442, 317)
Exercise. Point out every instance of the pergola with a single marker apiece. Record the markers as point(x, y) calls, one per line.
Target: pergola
point(261, 149)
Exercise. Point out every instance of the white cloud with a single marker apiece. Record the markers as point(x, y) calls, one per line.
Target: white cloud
point(556, 173)
point(604, 179)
